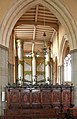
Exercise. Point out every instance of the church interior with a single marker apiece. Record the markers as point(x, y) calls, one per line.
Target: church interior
point(38, 59)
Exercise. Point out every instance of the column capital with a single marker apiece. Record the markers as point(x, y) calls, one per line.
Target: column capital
point(19, 43)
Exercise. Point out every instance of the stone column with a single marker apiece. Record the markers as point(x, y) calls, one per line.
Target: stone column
point(34, 78)
point(60, 74)
point(51, 73)
point(74, 73)
point(20, 61)
point(47, 66)
point(15, 61)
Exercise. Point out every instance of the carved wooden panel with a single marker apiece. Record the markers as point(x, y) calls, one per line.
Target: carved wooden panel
point(46, 97)
point(25, 98)
point(36, 98)
point(56, 97)
point(14, 98)
point(66, 98)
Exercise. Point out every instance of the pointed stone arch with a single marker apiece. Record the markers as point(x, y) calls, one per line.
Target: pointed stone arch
point(20, 7)
point(64, 45)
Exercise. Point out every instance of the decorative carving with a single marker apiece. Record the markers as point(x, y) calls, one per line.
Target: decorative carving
point(66, 98)
point(37, 101)
point(36, 97)
point(46, 97)
point(14, 97)
point(25, 97)
point(56, 97)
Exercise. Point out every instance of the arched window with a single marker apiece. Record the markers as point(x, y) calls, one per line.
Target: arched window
point(67, 68)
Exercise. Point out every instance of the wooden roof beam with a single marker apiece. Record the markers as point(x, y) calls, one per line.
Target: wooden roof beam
point(36, 14)
point(28, 40)
point(53, 25)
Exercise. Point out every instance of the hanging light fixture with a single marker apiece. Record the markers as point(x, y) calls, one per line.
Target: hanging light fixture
point(44, 48)
point(44, 36)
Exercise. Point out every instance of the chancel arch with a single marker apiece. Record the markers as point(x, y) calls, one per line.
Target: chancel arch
point(30, 29)
point(20, 7)
point(16, 12)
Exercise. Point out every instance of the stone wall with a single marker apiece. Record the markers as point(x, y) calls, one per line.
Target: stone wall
point(3, 72)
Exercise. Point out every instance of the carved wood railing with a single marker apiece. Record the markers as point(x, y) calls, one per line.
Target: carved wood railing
point(39, 99)
point(43, 96)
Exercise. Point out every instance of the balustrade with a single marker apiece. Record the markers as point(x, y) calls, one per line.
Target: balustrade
point(39, 101)
point(39, 96)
